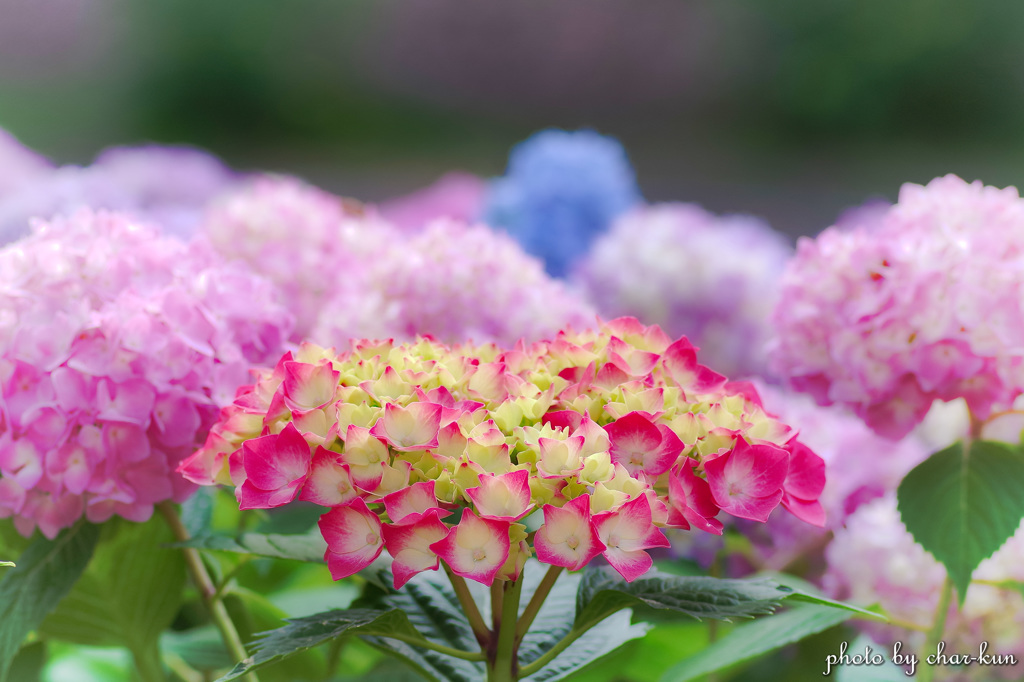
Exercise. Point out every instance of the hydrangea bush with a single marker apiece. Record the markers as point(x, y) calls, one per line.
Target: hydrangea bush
point(714, 279)
point(118, 347)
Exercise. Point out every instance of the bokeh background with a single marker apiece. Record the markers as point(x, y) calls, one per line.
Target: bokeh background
point(790, 110)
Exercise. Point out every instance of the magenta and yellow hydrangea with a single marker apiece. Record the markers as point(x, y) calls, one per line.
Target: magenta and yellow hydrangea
point(588, 444)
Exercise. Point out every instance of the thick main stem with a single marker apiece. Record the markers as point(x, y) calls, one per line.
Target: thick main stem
point(935, 634)
point(207, 590)
point(505, 666)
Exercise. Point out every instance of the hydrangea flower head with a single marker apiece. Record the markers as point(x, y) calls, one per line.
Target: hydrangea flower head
point(452, 281)
point(436, 453)
point(455, 195)
point(691, 272)
point(302, 238)
point(561, 190)
point(166, 186)
point(118, 346)
point(924, 305)
point(874, 560)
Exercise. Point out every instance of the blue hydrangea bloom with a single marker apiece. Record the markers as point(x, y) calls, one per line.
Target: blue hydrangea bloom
point(561, 190)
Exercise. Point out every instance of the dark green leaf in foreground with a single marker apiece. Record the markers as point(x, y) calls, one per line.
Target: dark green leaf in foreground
point(303, 633)
point(962, 506)
point(305, 547)
point(750, 640)
point(602, 592)
point(46, 571)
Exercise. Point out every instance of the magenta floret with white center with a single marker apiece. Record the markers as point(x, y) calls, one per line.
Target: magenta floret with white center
point(117, 349)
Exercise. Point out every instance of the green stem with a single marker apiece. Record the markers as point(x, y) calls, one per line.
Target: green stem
point(207, 590)
point(424, 643)
point(476, 621)
point(537, 600)
point(148, 664)
point(551, 653)
point(926, 672)
point(505, 667)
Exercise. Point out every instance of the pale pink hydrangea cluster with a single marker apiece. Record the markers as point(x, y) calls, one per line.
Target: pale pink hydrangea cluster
point(924, 305)
point(167, 186)
point(874, 560)
point(453, 281)
point(455, 195)
point(713, 278)
point(597, 441)
point(310, 243)
point(118, 346)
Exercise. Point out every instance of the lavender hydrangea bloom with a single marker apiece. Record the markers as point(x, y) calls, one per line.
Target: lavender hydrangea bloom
point(118, 347)
point(454, 195)
point(874, 560)
point(19, 165)
point(168, 186)
point(714, 279)
point(452, 281)
point(561, 190)
point(923, 305)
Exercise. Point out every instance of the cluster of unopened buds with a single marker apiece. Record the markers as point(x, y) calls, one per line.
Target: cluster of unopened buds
point(446, 453)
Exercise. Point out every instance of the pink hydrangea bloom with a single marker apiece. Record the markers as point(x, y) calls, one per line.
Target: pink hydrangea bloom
point(455, 195)
point(924, 305)
point(713, 278)
point(309, 242)
point(19, 165)
point(168, 186)
point(410, 433)
point(874, 560)
point(453, 281)
point(117, 348)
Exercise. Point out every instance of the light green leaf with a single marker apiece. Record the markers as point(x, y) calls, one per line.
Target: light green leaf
point(750, 640)
point(46, 572)
point(129, 593)
point(962, 506)
point(602, 592)
point(7, 564)
point(306, 547)
point(304, 633)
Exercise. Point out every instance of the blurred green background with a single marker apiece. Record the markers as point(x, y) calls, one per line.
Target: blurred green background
point(788, 109)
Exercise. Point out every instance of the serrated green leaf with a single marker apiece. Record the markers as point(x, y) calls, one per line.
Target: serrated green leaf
point(46, 572)
point(602, 592)
point(129, 593)
point(962, 507)
point(749, 640)
point(306, 547)
point(303, 633)
point(197, 511)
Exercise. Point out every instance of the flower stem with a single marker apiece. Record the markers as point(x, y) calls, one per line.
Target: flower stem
point(207, 590)
point(551, 653)
point(926, 672)
point(425, 643)
point(537, 600)
point(505, 667)
point(476, 621)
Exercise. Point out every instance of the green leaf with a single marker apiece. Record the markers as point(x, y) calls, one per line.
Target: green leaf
point(197, 511)
point(7, 564)
point(306, 547)
point(962, 507)
point(304, 633)
point(750, 640)
point(128, 595)
point(602, 592)
point(46, 571)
